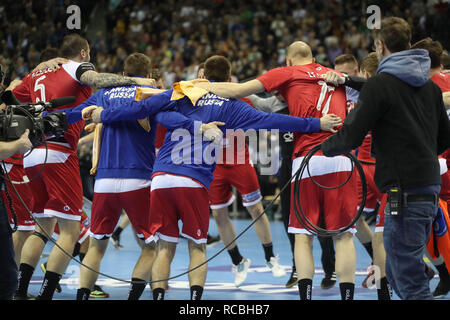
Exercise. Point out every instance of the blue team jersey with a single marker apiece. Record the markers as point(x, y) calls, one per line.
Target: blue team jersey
point(188, 155)
point(127, 149)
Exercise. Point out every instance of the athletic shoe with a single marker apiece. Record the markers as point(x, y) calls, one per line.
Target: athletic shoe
point(441, 290)
point(115, 240)
point(21, 297)
point(44, 270)
point(212, 241)
point(98, 293)
point(328, 281)
point(293, 280)
point(240, 271)
point(430, 273)
point(364, 283)
point(275, 267)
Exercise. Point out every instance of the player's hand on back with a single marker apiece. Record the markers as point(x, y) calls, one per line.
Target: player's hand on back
point(212, 132)
point(54, 64)
point(92, 113)
point(329, 122)
point(144, 81)
point(333, 77)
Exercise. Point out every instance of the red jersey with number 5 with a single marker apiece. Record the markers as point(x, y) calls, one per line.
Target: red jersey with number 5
point(306, 95)
point(45, 85)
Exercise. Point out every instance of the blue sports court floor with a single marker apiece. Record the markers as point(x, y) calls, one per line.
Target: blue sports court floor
point(260, 284)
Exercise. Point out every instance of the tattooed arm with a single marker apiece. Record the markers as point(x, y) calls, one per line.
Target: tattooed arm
point(104, 80)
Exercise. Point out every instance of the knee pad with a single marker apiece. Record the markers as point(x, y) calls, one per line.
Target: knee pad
point(40, 235)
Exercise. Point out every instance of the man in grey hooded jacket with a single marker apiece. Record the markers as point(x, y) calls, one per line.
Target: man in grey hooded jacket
point(406, 114)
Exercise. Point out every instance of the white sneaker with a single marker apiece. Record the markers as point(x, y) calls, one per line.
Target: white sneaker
point(275, 267)
point(240, 271)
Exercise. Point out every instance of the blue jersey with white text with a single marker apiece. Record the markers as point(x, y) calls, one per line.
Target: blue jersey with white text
point(127, 149)
point(189, 155)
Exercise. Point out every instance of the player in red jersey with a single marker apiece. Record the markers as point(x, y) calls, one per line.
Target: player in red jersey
point(435, 51)
point(301, 85)
point(16, 172)
point(57, 191)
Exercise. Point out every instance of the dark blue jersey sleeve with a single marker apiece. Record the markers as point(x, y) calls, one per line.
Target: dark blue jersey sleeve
point(74, 114)
point(139, 109)
point(240, 115)
point(173, 120)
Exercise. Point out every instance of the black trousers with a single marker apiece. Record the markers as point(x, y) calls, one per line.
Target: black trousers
point(8, 267)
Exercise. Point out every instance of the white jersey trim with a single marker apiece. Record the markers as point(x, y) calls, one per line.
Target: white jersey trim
point(120, 185)
point(223, 205)
point(48, 213)
point(71, 68)
point(321, 165)
point(37, 156)
point(442, 166)
point(293, 230)
point(8, 167)
point(165, 181)
point(23, 228)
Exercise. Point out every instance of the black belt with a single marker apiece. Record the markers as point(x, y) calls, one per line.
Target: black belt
point(419, 198)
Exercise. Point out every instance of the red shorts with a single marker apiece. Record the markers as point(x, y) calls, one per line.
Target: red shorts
point(175, 198)
point(243, 177)
point(17, 174)
point(57, 190)
point(84, 228)
point(379, 227)
point(373, 194)
point(338, 206)
point(111, 196)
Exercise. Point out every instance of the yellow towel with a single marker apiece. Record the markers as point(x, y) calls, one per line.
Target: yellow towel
point(141, 94)
point(187, 88)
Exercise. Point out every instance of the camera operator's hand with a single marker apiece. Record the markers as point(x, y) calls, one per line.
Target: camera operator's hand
point(23, 143)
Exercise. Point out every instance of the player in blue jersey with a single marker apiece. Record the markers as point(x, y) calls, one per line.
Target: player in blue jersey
point(185, 164)
point(123, 176)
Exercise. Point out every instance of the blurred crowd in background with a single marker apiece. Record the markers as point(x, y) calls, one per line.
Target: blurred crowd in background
point(180, 34)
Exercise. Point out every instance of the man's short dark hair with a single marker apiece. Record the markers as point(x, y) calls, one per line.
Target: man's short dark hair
point(434, 49)
point(445, 61)
point(72, 45)
point(346, 58)
point(395, 34)
point(48, 54)
point(217, 68)
point(370, 63)
point(138, 64)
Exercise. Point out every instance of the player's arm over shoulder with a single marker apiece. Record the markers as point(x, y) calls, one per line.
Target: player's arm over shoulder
point(87, 75)
point(232, 90)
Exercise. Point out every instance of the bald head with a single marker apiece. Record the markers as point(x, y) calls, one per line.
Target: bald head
point(299, 52)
